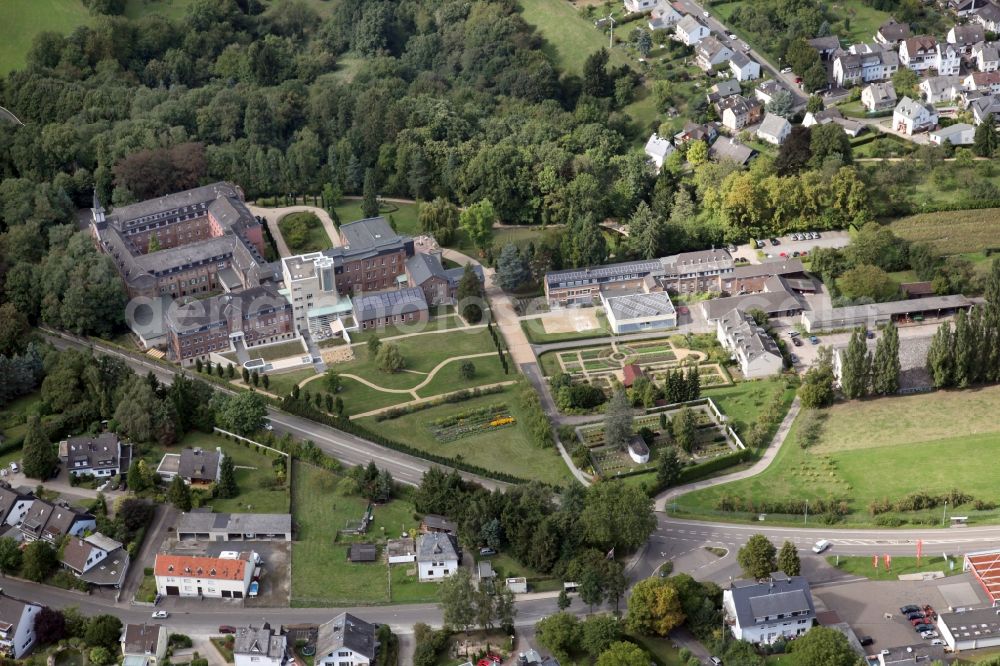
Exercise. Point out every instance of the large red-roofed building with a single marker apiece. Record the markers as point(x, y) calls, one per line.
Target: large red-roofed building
point(227, 576)
point(985, 566)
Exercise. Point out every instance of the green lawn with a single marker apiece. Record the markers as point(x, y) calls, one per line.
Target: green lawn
point(321, 573)
point(23, 19)
point(742, 401)
point(406, 216)
point(662, 649)
point(569, 37)
point(952, 232)
point(422, 354)
point(276, 351)
point(433, 324)
point(255, 490)
point(281, 384)
point(884, 448)
point(314, 241)
point(359, 397)
point(520, 236)
point(862, 566)
point(509, 450)
point(863, 21)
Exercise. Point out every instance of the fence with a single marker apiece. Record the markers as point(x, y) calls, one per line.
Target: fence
point(250, 441)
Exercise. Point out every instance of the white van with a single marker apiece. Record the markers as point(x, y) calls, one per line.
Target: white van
point(821, 545)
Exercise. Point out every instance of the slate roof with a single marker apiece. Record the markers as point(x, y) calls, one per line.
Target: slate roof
point(141, 639)
point(773, 125)
point(198, 197)
point(422, 267)
point(771, 302)
point(90, 453)
point(435, 546)
point(727, 88)
point(593, 274)
point(969, 33)
point(689, 24)
point(199, 464)
point(691, 263)
point(436, 523)
point(782, 595)
point(893, 31)
point(828, 43)
point(731, 150)
point(369, 233)
point(390, 303)
point(882, 92)
point(8, 499)
point(346, 631)
point(263, 641)
point(910, 108)
point(740, 60)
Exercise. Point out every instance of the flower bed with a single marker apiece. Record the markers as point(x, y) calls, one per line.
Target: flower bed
point(472, 422)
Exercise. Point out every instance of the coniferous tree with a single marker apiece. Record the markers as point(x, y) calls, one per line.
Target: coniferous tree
point(885, 366)
point(856, 366)
point(39, 457)
point(369, 203)
point(986, 140)
point(179, 494)
point(693, 383)
point(788, 559)
point(645, 232)
point(618, 419)
point(963, 344)
point(227, 487)
point(941, 357)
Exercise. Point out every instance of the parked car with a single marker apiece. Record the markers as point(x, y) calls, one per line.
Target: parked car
point(929, 634)
point(14, 468)
point(731, 247)
point(161, 615)
point(487, 551)
point(795, 359)
point(775, 241)
point(865, 640)
point(920, 628)
point(821, 545)
point(910, 608)
point(706, 15)
point(915, 615)
point(786, 70)
point(870, 335)
point(796, 253)
point(937, 641)
point(797, 342)
point(793, 334)
point(226, 629)
point(816, 235)
point(813, 339)
point(715, 661)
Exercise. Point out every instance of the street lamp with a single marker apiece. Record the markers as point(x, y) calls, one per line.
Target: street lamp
point(807, 513)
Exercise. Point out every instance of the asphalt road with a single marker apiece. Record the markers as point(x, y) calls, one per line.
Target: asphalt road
point(346, 448)
point(722, 30)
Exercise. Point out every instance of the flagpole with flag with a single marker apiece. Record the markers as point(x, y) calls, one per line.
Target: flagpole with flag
point(920, 550)
point(888, 562)
point(875, 562)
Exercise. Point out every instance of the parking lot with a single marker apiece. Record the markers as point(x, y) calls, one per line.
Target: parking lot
point(872, 607)
point(835, 239)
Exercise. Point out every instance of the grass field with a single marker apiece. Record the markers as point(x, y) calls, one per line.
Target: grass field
point(282, 350)
point(434, 324)
point(862, 566)
point(569, 37)
point(404, 215)
point(742, 401)
point(952, 232)
point(281, 384)
point(863, 23)
point(509, 450)
point(23, 19)
point(314, 241)
point(885, 448)
point(519, 236)
point(321, 573)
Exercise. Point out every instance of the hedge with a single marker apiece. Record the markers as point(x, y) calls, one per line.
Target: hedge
point(703, 470)
point(299, 408)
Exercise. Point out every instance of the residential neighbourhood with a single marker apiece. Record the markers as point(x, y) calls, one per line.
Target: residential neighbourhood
point(546, 332)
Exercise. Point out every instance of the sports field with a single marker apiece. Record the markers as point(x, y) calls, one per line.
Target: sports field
point(884, 449)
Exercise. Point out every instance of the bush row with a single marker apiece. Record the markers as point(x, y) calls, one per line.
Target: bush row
point(535, 418)
point(709, 467)
point(299, 408)
point(837, 507)
point(920, 500)
point(457, 396)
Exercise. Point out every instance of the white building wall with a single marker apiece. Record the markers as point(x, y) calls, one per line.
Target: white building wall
point(255, 660)
point(439, 570)
point(20, 510)
point(343, 657)
point(24, 636)
point(189, 586)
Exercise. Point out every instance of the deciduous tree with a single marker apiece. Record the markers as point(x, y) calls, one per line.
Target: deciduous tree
point(477, 221)
point(823, 646)
point(654, 608)
point(390, 359)
point(617, 516)
point(885, 365)
point(757, 557)
point(788, 559)
point(560, 633)
point(623, 653)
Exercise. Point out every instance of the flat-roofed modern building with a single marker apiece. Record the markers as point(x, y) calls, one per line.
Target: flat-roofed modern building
point(632, 311)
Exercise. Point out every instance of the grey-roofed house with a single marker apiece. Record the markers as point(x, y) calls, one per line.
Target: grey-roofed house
point(346, 639)
point(941, 88)
point(14, 505)
point(99, 456)
point(260, 646)
point(779, 608)
point(52, 521)
point(985, 108)
point(711, 52)
point(879, 96)
point(437, 556)
point(959, 134)
point(17, 626)
point(203, 525)
point(658, 149)
point(965, 36)
point(766, 90)
point(987, 15)
point(196, 466)
point(744, 67)
point(362, 552)
point(390, 308)
point(634, 310)
point(774, 129)
point(426, 272)
point(911, 116)
point(751, 346)
point(825, 46)
point(891, 33)
point(434, 523)
point(690, 31)
point(144, 644)
point(731, 149)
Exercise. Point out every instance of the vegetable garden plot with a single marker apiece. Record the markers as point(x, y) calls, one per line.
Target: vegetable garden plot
point(471, 422)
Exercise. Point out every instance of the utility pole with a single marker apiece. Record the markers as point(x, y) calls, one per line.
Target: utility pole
point(944, 516)
point(806, 521)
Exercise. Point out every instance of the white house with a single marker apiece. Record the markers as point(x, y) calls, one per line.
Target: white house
point(988, 16)
point(891, 33)
point(972, 629)
point(437, 558)
point(753, 349)
point(144, 643)
point(964, 37)
point(263, 646)
point(744, 68)
point(984, 82)
point(911, 116)
point(737, 112)
point(766, 91)
point(940, 88)
point(14, 506)
point(983, 108)
point(346, 640)
point(947, 60)
point(879, 96)
point(987, 56)
point(711, 52)
point(780, 608)
point(17, 626)
point(918, 53)
point(225, 577)
point(823, 117)
point(663, 16)
point(851, 69)
point(196, 466)
point(639, 6)
point(658, 150)
point(774, 129)
point(97, 456)
point(689, 31)
point(959, 134)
